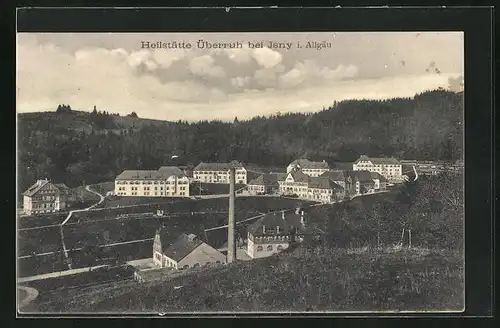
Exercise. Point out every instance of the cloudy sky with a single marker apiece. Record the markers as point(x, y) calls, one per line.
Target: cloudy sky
point(113, 72)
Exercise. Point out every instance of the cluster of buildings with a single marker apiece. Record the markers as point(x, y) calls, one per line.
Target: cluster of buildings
point(318, 182)
point(303, 179)
point(46, 197)
point(271, 234)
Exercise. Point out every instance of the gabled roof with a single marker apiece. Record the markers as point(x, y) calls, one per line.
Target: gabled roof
point(168, 171)
point(268, 179)
point(42, 183)
point(335, 175)
point(218, 166)
point(299, 176)
point(304, 163)
point(182, 247)
point(362, 176)
point(323, 183)
point(61, 186)
point(139, 174)
point(163, 173)
point(378, 160)
point(35, 187)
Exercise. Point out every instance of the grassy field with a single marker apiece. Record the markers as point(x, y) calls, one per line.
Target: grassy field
point(40, 240)
point(306, 279)
point(32, 266)
point(211, 188)
point(114, 201)
point(40, 220)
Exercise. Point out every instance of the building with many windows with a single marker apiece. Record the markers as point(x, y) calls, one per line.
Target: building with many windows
point(313, 169)
point(390, 168)
point(219, 172)
point(167, 181)
point(45, 197)
point(188, 251)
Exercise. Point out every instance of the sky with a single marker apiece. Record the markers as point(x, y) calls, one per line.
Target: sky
point(114, 72)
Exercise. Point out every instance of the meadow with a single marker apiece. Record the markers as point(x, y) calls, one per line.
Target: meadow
point(305, 279)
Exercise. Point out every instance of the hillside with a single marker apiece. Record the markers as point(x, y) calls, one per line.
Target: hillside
point(306, 279)
point(76, 147)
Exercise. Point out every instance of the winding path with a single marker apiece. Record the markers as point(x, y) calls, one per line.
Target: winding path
point(69, 217)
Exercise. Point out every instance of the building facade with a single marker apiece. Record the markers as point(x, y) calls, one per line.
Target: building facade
point(390, 168)
point(45, 197)
point(310, 168)
point(186, 252)
point(219, 172)
point(265, 184)
point(167, 181)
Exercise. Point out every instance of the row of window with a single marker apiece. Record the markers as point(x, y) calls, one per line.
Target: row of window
point(218, 172)
point(118, 182)
point(44, 205)
point(269, 248)
point(156, 193)
point(270, 238)
point(220, 180)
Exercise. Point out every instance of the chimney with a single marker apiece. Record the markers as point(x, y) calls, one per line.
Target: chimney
point(277, 229)
point(302, 218)
point(231, 240)
point(263, 229)
point(297, 210)
point(283, 215)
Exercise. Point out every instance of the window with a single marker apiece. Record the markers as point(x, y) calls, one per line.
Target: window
point(259, 249)
point(269, 248)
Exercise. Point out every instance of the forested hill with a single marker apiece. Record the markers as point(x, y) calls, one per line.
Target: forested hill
point(76, 147)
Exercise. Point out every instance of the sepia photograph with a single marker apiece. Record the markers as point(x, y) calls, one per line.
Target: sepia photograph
point(211, 173)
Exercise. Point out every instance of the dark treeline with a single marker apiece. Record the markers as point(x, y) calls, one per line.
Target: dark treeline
point(76, 147)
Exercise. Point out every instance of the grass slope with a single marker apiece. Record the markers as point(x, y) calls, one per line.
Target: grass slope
point(306, 279)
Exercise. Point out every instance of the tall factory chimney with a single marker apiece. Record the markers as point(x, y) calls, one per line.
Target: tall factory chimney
point(231, 240)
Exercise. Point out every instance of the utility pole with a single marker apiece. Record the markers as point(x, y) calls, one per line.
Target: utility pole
point(231, 240)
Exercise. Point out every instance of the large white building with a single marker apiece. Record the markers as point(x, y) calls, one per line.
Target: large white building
point(313, 169)
point(167, 181)
point(389, 168)
point(219, 172)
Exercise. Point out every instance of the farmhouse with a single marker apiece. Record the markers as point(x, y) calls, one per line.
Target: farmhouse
point(390, 168)
point(167, 181)
point(277, 231)
point(45, 197)
point(219, 172)
point(186, 252)
point(266, 183)
point(308, 167)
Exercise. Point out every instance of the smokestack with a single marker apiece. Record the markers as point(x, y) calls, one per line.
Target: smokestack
point(231, 240)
